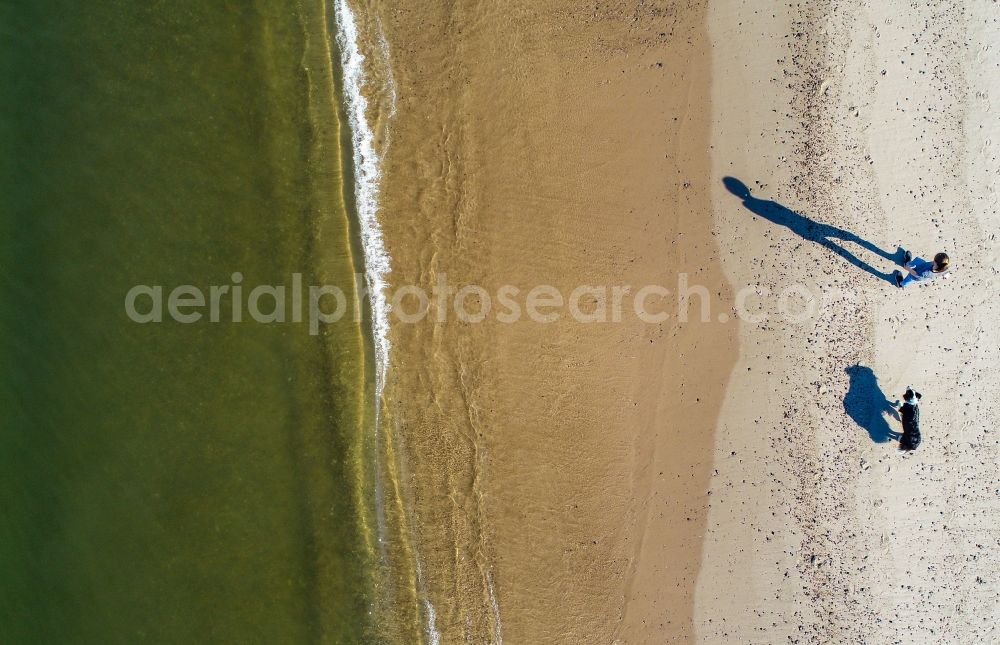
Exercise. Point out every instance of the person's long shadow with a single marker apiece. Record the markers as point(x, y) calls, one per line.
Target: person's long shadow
point(868, 406)
point(823, 234)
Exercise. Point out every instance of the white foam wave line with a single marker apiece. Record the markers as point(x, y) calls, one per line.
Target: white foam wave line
point(497, 625)
point(432, 633)
point(367, 171)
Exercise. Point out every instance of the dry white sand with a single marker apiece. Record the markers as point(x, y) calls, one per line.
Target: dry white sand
point(880, 118)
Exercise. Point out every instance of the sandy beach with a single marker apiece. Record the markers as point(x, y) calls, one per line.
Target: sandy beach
point(716, 481)
point(878, 119)
point(524, 322)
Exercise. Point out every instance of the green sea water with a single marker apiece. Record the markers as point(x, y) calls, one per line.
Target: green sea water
point(175, 482)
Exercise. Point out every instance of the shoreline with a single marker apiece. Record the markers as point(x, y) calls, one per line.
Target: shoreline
point(364, 91)
point(369, 101)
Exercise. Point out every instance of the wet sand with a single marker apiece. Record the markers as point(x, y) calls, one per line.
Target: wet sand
point(557, 471)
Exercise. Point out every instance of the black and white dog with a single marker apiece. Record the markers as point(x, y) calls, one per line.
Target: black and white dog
point(909, 414)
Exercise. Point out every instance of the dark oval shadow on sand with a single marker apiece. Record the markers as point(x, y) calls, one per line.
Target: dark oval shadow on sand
point(867, 405)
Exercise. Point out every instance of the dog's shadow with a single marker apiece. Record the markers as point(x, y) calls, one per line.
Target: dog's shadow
point(868, 406)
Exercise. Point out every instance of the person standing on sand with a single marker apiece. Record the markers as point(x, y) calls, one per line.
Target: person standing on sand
point(920, 270)
point(909, 414)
